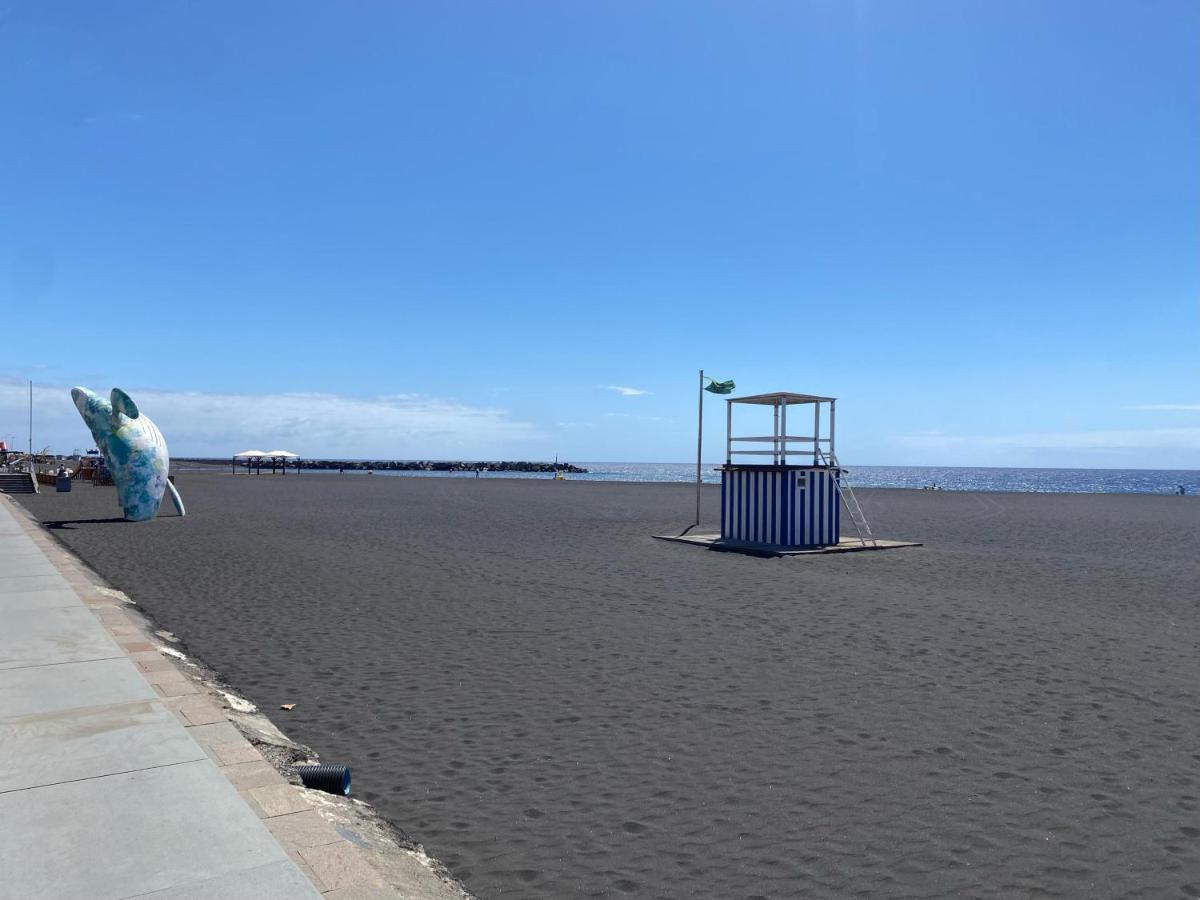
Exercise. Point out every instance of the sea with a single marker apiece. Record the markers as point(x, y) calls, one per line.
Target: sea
point(946, 478)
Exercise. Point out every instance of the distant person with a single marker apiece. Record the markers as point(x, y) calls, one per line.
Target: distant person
point(62, 469)
point(1182, 491)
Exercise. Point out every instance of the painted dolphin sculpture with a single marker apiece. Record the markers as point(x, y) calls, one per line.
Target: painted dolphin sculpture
point(133, 449)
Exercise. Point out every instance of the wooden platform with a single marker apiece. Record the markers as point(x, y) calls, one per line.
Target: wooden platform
point(714, 542)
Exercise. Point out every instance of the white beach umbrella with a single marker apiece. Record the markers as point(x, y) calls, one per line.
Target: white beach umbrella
point(281, 457)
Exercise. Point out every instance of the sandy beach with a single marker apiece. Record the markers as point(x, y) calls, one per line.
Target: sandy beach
point(558, 706)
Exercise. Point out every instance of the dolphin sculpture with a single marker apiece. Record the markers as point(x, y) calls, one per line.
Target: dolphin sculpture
point(134, 450)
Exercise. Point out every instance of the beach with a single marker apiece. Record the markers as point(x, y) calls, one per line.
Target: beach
point(556, 705)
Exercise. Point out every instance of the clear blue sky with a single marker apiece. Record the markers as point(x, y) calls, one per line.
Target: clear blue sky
point(978, 224)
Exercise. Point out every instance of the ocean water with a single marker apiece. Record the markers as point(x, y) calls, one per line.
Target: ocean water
point(949, 478)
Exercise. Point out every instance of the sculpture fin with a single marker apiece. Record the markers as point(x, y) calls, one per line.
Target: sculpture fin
point(123, 403)
point(176, 499)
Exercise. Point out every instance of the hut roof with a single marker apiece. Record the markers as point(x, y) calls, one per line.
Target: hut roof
point(781, 396)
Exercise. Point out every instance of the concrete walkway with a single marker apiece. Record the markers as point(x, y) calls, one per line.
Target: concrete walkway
point(104, 790)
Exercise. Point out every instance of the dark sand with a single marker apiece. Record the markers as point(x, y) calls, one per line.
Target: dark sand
point(559, 706)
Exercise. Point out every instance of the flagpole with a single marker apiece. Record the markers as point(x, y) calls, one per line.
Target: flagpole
point(699, 443)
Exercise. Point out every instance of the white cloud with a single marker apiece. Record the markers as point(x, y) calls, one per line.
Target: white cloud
point(625, 391)
point(312, 424)
point(619, 415)
point(1150, 438)
point(1163, 448)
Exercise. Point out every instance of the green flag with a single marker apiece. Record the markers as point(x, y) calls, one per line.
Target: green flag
point(720, 387)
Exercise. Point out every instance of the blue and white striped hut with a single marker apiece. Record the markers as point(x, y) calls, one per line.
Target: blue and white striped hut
point(794, 499)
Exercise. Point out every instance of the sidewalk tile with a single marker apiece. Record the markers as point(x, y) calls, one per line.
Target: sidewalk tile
point(302, 829)
point(176, 689)
point(274, 881)
point(222, 732)
point(167, 675)
point(277, 799)
point(45, 596)
point(183, 823)
point(35, 637)
point(48, 689)
point(340, 865)
point(234, 752)
point(365, 892)
point(259, 773)
point(24, 584)
point(196, 710)
point(68, 745)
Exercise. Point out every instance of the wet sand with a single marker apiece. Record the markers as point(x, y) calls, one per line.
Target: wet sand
point(559, 706)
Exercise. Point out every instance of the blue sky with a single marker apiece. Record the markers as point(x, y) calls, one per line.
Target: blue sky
point(444, 230)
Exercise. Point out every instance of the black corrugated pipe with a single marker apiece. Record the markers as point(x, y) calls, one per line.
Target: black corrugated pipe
point(331, 779)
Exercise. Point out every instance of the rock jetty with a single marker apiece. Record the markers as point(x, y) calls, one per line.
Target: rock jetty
point(426, 465)
point(404, 465)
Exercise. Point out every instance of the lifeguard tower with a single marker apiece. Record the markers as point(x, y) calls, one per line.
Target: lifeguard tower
point(795, 500)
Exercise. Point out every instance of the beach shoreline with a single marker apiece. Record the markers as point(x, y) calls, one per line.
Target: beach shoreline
point(1153, 482)
point(557, 705)
point(371, 852)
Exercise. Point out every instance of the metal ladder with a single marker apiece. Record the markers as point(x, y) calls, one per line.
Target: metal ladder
point(846, 492)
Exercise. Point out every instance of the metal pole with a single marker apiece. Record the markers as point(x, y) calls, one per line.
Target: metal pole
point(699, 443)
point(31, 424)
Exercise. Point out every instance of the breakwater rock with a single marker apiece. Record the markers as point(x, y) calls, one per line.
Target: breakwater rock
point(400, 465)
point(405, 465)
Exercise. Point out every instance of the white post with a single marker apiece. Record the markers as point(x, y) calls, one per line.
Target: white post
point(783, 433)
point(832, 424)
point(728, 432)
point(816, 431)
point(775, 434)
point(699, 444)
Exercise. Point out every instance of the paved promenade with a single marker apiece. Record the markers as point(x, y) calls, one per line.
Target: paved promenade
point(107, 789)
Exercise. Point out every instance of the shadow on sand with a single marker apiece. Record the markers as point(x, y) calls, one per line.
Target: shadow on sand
point(68, 523)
